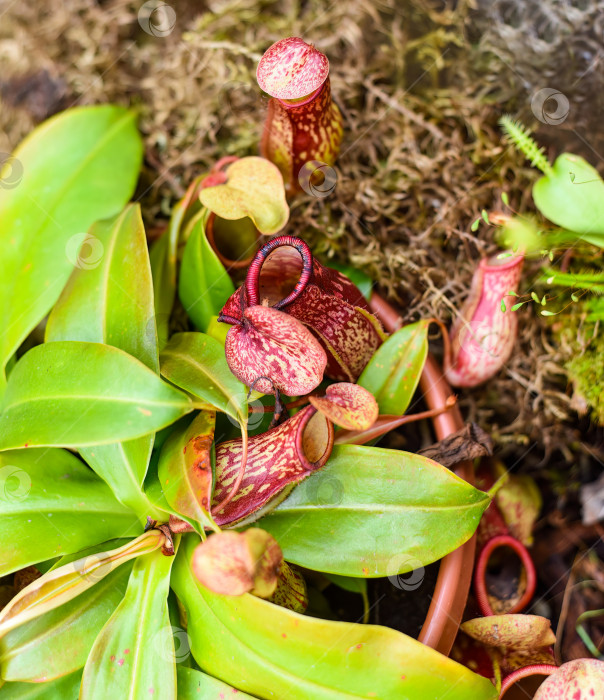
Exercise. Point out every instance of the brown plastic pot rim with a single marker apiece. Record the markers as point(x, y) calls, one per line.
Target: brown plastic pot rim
point(455, 574)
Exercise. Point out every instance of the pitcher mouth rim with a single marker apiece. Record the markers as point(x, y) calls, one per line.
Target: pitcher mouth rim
point(491, 263)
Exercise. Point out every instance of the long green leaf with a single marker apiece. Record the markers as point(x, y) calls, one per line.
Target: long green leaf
point(195, 685)
point(163, 256)
point(66, 688)
point(51, 504)
point(113, 304)
point(94, 393)
point(204, 285)
point(272, 652)
point(133, 657)
point(77, 167)
point(196, 363)
point(393, 373)
point(384, 512)
point(58, 643)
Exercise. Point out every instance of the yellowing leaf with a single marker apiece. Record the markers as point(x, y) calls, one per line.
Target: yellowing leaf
point(61, 585)
point(254, 188)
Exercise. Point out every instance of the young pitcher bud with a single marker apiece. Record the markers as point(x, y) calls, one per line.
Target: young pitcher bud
point(234, 563)
point(483, 337)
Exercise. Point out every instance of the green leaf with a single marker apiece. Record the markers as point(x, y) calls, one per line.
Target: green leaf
point(94, 393)
point(389, 512)
point(185, 469)
point(196, 363)
point(348, 583)
point(272, 652)
point(58, 642)
point(78, 167)
point(66, 688)
point(394, 371)
point(505, 199)
point(51, 504)
point(204, 285)
point(133, 657)
point(475, 225)
point(195, 685)
point(485, 216)
point(575, 203)
point(163, 256)
point(113, 304)
point(123, 465)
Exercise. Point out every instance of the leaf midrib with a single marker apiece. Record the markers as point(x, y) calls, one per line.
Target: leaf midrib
point(93, 397)
point(369, 507)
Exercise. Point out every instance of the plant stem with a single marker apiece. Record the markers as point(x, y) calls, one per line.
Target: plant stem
point(386, 423)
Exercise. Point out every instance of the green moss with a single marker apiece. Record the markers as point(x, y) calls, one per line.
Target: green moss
point(586, 370)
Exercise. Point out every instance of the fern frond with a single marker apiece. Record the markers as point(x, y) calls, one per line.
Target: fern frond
point(521, 137)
